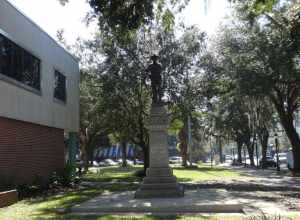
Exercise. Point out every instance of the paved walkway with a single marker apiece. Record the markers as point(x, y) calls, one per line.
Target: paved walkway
point(267, 177)
point(193, 203)
point(263, 191)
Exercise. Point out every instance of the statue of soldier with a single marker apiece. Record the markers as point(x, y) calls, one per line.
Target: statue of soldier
point(156, 79)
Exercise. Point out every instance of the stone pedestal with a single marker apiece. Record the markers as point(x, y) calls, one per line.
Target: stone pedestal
point(159, 181)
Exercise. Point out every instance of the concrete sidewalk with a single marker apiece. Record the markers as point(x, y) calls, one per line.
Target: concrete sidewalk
point(267, 177)
point(195, 202)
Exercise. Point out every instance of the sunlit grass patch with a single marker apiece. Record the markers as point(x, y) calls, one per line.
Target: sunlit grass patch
point(200, 173)
point(52, 207)
point(203, 173)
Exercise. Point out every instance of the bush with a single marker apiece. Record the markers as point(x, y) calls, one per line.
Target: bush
point(7, 183)
point(27, 190)
point(65, 178)
point(68, 175)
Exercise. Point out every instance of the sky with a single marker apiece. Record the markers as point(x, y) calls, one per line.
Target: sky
point(51, 16)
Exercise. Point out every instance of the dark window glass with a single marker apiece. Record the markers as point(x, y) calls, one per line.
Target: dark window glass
point(60, 86)
point(17, 63)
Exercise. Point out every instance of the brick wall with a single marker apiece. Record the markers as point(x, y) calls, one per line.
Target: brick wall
point(8, 198)
point(29, 150)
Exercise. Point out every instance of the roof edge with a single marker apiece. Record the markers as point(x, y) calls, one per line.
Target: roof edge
point(41, 29)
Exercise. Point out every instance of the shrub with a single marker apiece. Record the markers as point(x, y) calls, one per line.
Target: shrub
point(68, 175)
point(7, 183)
point(65, 178)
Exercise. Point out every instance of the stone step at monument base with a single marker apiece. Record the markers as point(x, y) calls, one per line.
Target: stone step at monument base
point(158, 192)
point(159, 171)
point(159, 183)
point(161, 179)
point(195, 202)
point(157, 186)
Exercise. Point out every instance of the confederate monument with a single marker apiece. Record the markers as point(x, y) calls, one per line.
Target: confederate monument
point(159, 181)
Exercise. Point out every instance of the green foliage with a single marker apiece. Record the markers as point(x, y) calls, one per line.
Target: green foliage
point(254, 8)
point(129, 15)
point(168, 20)
point(68, 175)
point(258, 59)
point(200, 173)
point(7, 182)
point(175, 126)
point(115, 94)
point(124, 19)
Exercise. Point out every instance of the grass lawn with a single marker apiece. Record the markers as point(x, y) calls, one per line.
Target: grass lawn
point(201, 173)
point(54, 207)
point(58, 206)
point(113, 174)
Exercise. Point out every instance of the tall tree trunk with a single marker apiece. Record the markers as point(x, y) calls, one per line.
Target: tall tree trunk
point(84, 154)
point(250, 149)
point(85, 159)
point(220, 150)
point(183, 145)
point(91, 156)
point(287, 122)
point(239, 143)
point(263, 136)
point(134, 155)
point(294, 140)
point(124, 153)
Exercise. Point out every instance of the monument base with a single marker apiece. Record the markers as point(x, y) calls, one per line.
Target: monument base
point(159, 183)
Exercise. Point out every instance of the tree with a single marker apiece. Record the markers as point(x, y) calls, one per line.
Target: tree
point(91, 119)
point(261, 58)
point(123, 19)
point(277, 48)
point(124, 82)
point(239, 113)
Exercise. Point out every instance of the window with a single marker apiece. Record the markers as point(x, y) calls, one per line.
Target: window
point(60, 86)
point(18, 64)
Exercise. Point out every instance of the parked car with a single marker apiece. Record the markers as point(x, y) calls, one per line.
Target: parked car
point(175, 160)
point(228, 157)
point(270, 162)
point(139, 162)
point(108, 162)
point(282, 157)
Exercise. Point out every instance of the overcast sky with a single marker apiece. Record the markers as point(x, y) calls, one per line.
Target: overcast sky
point(51, 16)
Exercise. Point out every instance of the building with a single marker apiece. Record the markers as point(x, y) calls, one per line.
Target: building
point(39, 98)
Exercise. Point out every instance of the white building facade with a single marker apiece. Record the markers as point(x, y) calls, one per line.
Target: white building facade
point(39, 97)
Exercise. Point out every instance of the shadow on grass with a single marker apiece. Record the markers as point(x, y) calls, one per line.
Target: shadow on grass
point(113, 174)
point(58, 206)
point(112, 217)
point(115, 217)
